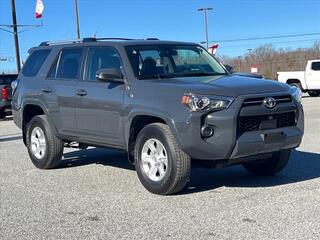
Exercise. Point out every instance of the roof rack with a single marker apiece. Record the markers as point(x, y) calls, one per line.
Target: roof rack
point(48, 43)
point(89, 39)
point(93, 39)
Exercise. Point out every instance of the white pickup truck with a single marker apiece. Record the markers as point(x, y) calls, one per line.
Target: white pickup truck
point(308, 80)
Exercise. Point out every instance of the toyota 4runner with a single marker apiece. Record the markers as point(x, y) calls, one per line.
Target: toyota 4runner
point(166, 103)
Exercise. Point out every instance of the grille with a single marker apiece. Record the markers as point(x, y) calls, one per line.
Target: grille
point(252, 123)
point(259, 100)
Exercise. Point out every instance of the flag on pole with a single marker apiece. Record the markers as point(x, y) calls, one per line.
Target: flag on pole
point(213, 49)
point(39, 8)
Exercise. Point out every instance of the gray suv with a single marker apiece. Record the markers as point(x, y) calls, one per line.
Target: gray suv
point(165, 103)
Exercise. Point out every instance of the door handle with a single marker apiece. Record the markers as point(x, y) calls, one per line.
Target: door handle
point(81, 92)
point(46, 90)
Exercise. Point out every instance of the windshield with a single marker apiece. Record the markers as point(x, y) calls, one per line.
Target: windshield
point(167, 60)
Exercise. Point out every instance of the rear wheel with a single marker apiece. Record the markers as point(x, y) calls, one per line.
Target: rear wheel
point(2, 114)
point(269, 166)
point(314, 93)
point(162, 167)
point(298, 85)
point(44, 148)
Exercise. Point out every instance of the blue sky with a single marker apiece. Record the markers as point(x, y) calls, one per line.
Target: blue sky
point(166, 19)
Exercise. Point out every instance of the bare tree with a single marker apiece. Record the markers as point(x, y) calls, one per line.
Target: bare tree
point(270, 60)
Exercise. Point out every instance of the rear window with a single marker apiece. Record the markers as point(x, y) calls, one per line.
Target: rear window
point(34, 62)
point(7, 79)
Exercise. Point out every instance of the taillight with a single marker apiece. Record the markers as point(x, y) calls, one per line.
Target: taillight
point(4, 92)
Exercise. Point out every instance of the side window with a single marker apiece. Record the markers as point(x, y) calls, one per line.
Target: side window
point(69, 64)
point(34, 62)
point(315, 66)
point(101, 58)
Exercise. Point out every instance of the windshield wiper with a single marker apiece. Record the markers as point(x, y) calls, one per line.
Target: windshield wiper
point(157, 76)
point(190, 74)
point(200, 74)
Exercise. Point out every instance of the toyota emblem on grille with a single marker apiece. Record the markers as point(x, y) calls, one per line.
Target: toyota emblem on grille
point(270, 102)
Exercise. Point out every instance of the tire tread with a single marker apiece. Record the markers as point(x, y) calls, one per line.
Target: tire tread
point(54, 145)
point(181, 161)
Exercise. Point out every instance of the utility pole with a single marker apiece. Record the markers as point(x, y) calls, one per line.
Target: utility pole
point(77, 17)
point(205, 10)
point(250, 58)
point(240, 61)
point(15, 34)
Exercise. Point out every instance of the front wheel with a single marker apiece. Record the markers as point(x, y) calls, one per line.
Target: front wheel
point(162, 167)
point(44, 148)
point(269, 166)
point(314, 93)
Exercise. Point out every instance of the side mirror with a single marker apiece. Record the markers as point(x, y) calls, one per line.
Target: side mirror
point(110, 75)
point(229, 68)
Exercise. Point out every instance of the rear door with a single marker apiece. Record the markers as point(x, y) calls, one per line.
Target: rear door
point(59, 90)
point(99, 104)
point(313, 75)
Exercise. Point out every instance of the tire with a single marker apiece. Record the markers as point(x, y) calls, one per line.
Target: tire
point(314, 93)
point(51, 154)
point(175, 171)
point(2, 114)
point(269, 166)
point(298, 85)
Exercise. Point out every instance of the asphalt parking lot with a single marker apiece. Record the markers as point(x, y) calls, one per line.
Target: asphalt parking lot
point(96, 194)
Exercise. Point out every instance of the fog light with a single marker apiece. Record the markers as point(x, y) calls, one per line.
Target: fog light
point(207, 132)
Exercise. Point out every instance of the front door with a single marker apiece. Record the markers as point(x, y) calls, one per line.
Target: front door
point(99, 104)
point(313, 75)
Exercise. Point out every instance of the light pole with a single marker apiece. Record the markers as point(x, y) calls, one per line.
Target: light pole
point(77, 17)
point(205, 10)
point(15, 34)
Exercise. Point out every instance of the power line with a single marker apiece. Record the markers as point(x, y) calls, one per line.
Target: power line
point(262, 44)
point(267, 37)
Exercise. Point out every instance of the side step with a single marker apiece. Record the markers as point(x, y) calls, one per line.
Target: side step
point(75, 145)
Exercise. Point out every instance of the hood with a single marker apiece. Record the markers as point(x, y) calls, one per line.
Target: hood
point(232, 86)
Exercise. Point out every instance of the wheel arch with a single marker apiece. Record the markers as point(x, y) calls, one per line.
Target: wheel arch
point(29, 110)
point(295, 80)
point(137, 121)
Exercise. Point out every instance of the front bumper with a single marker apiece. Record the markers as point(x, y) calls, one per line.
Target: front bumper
point(5, 104)
point(226, 143)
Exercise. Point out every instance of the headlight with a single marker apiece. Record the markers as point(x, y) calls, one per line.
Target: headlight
point(296, 93)
point(199, 103)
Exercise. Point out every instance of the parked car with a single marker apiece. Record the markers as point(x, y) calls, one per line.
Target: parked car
point(5, 93)
point(308, 80)
point(166, 103)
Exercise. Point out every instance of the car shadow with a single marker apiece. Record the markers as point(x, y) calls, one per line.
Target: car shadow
point(11, 137)
point(104, 156)
point(8, 118)
point(302, 166)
